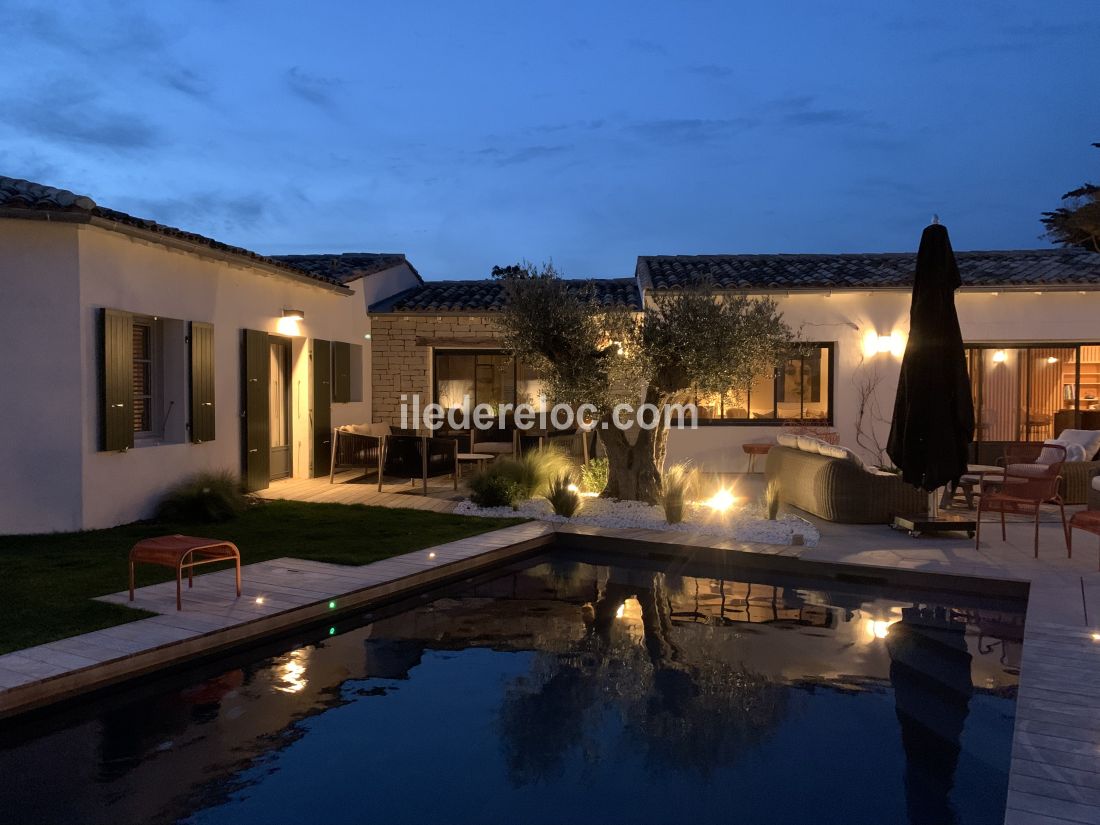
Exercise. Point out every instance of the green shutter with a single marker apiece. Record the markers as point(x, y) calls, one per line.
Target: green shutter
point(202, 382)
point(255, 417)
point(322, 407)
point(341, 372)
point(116, 380)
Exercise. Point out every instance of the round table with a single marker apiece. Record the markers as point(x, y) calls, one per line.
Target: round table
point(753, 449)
point(973, 477)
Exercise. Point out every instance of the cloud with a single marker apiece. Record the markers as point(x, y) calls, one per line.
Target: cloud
point(187, 82)
point(315, 90)
point(211, 210)
point(711, 70)
point(692, 130)
point(69, 113)
point(646, 46)
point(801, 110)
point(528, 154)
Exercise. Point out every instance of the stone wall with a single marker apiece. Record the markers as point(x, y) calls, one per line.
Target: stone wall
point(401, 347)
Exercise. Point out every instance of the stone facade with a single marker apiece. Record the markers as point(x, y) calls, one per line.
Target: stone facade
point(401, 354)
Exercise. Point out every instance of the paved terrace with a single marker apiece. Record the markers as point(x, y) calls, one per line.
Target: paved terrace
point(1055, 770)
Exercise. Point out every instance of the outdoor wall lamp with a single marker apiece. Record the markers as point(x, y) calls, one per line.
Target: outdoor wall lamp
point(999, 356)
point(875, 344)
point(288, 322)
point(294, 314)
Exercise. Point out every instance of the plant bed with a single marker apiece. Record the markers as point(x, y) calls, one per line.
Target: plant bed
point(744, 523)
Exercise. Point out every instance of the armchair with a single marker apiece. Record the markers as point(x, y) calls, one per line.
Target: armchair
point(1026, 486)
point(418, 456)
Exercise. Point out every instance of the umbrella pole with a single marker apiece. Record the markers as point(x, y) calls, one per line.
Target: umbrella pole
point(934, 503)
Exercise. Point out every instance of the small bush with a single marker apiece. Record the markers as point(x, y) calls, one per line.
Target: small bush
point(538, 468)
point(677, 486)
point(493, 488)
point(204, 498)
point(771, 500)
point(594, 475)
point(563, 495)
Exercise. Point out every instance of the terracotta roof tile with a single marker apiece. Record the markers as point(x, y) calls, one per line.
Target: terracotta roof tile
point(1017, 268)
point(488, 295)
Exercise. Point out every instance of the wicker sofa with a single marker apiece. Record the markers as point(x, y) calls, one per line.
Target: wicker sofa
point(839, 489)
point(1094, 490)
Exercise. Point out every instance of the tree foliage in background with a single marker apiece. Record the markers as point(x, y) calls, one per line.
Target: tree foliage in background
point(1077, 222)
point(589, 353)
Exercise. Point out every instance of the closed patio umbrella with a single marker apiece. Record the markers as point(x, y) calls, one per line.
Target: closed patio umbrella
point(933, 421)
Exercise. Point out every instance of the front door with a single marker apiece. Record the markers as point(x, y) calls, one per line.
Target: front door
point(279, 407)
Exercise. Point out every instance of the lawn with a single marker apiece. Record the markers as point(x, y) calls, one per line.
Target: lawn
point(47, 581)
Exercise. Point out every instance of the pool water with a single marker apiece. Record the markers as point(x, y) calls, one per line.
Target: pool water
point(565, 689)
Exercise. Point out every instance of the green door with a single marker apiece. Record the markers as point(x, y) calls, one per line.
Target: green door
point(322, 407)
point(255, 415)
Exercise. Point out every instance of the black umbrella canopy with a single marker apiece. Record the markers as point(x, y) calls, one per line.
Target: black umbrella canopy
point(933, 420)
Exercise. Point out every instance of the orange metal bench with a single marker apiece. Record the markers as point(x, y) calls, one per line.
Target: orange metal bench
point(183, 553)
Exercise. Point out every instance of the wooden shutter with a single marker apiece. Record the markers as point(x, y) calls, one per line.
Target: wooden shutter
point(116, 380)
point(322, 407)
point(255, 417)
point(202, 382)
point(341, 372)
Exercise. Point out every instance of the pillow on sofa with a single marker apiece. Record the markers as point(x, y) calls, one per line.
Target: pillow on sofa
point(376, 429)
point(787, 440)
point(809, 445)
point(1088, 439)
point(836, 451)
point(1074, 451)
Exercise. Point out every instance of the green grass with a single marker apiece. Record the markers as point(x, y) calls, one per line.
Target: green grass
point(47, 581)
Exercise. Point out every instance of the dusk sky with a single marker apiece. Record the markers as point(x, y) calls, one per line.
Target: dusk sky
point(471, 134)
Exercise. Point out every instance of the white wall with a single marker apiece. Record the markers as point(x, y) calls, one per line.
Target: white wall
point(58, 277)
point(40, 414)
point(846, 317)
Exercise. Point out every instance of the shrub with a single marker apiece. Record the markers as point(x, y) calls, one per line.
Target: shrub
point(493, 488)
point(677, 486)
point(594, 475)
point(563, 495)
point(537, 468)
point(204, 497)
point(771, 499)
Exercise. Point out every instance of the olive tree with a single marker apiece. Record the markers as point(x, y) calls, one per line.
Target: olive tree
point(589, 352)
point(1077, 222)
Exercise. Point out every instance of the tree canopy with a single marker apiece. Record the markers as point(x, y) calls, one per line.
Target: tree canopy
point(1077, 221)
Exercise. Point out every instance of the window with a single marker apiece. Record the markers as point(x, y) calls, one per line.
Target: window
point(801, 388)
point(1031, 392)
point(145, 376)
point(468, 378)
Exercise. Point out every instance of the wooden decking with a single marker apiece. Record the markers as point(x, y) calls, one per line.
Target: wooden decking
point(353, 487)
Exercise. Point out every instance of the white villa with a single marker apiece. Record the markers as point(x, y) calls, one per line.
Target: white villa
point(137, 354)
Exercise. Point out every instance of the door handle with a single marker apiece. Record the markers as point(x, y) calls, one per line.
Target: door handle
point(254, 451)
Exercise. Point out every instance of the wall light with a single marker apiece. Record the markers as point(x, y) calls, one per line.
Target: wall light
point(294, 314)
point(999, 356)
point(874, 344)
point(288, 322)
point(1052, 360)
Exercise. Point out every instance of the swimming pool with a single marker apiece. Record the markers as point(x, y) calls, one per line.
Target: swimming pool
point(566, 688)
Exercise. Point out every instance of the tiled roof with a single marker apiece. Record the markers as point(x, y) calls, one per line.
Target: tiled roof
point(488, 295)
point(25, 195)
point(892, 270)
point(344, 267)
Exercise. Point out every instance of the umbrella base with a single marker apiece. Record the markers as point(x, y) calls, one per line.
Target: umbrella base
point(942, 523)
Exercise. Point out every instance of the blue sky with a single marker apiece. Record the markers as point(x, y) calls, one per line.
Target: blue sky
point(475, 133)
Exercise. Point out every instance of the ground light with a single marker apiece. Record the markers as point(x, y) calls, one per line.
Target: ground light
point(721, 501)
point(332, 605)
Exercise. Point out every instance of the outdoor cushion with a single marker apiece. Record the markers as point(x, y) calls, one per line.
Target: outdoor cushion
point(1096, 483)
point(836, 451)
point(787, 440)
point(809, 445)
point(1032, 470)
point(1074, 452)
point(1089, 439)
point(493, 447)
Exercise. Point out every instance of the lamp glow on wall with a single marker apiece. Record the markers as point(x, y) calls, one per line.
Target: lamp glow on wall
point(288, 322)
point(875, 344)
point(999, 356)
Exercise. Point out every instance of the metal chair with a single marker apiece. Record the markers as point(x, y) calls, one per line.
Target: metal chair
point(1027, 485)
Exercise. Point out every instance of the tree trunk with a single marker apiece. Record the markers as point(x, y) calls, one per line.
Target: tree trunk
point(634, 468)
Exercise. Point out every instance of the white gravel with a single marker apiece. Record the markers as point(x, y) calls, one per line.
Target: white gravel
point(741, 522)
